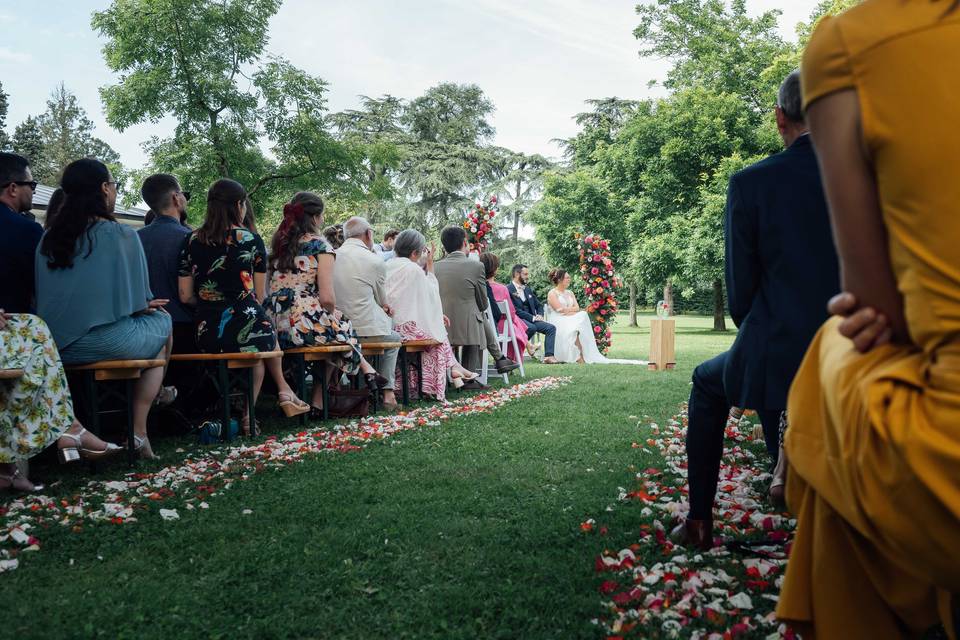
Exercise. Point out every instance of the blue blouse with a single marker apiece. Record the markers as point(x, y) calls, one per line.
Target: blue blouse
point(109, 284)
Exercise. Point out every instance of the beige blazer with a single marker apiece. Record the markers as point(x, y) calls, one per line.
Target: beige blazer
point(463, 293)
point(358, 280)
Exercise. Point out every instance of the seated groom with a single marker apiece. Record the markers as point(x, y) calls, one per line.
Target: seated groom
point(781, 269)
point(530, 310)
point(359, 275)
point(463, 294)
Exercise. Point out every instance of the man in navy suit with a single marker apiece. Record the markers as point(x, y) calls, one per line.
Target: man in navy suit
point(530, 310)
point(781, 269)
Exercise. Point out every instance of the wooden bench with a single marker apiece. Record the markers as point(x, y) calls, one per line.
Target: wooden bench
point(126, 371)
point(315, 358)
point(416, 348)
point(227, 371)
point(11, 374)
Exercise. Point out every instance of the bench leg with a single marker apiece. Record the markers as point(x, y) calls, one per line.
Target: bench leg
point(90, 389)
point(324, 389)
point(223, 380)
point(300, 372)
point(251, 403)
point(404, 376)
point(131, 439)
point(376, 394)
point(420, 375)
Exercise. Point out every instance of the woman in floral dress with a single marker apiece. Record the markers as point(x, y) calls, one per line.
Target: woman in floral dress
point(223, 273)
point(302, 302)
point(35, 408)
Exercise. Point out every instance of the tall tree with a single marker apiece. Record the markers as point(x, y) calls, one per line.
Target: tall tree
point(4, 105)
point(28, 142)
point(519, 183)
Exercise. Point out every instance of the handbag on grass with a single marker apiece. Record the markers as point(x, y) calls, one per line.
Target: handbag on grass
point(348, 403)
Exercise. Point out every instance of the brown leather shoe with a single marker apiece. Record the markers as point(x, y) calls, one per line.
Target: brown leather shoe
point(550, 360)
point(694, 533)
point(506, 365)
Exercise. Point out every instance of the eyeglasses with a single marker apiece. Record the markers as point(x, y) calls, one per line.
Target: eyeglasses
point(22, 183)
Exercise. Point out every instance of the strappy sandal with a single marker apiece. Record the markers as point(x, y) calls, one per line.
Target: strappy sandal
point(77, 451)
point(291, 405)
point(24, 486)
point(142, 446)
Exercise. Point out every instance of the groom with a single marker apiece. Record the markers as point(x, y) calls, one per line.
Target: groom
point(530, 310)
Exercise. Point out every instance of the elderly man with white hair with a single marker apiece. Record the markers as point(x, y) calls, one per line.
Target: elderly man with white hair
point(359, 275)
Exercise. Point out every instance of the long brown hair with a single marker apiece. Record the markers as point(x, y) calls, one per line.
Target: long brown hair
point(490, 263)
point(83, 204)
point(302, 215)
point(223, 212)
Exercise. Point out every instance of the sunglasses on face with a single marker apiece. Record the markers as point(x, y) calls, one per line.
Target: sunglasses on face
point(22, 183)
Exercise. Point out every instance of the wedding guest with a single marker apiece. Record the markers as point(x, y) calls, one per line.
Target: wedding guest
point(873, 446)
point(302, 301)
point(530, 310)
point(229, 264)
point(334, 236)
point(385, 249)
point(53, 206)
point(20, 236)
point(497, 292)
point(781, 270)
point(412, 292)
point(93, 287)
point(358, 280)
point(463, 294)
point(162, 241)
point(36, 409)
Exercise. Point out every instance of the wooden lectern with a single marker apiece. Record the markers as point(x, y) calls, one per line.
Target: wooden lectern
point(662, 334)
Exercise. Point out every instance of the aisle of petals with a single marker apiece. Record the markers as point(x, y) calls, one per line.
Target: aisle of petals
point(206, 472)
point(656, 589)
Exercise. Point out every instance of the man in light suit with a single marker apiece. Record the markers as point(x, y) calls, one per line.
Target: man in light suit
point(359, 275)
point(781, 269)
point(530, 310)
point(463, 293)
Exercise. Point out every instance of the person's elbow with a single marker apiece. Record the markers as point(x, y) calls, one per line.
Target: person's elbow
point(327, 300)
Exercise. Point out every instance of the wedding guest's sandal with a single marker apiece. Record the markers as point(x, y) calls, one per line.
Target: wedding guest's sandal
point(141, 444)
point(76, 450)
point(291, 405)
point(18, 482)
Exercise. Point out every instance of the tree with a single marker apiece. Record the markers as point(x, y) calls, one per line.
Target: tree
point(60, 135)
point(202, 63)
point(4, 105)
point(520, 180)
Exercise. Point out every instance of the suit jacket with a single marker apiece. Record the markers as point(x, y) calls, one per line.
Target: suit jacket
point(359, 275)
point(463, 294)
point(781, 269)
point(528, 308)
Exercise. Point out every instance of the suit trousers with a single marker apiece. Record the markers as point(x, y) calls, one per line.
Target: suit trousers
point(472, 356)
point(549, 334)
point(707, 420)
point(387, 364)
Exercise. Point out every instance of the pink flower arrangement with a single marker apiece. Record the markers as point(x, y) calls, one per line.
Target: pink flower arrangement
point(599, 285)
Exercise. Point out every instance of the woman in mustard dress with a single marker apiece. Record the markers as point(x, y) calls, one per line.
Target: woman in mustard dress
point(874, 439)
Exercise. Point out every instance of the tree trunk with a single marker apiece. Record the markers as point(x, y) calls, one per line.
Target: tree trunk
point(516, 214)
point(633, 305)
point(668, 297)
point(719, 312)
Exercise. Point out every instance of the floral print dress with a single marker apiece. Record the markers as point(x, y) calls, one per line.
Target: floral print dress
point(294, 304)
point(228, 319)
point(36, 408)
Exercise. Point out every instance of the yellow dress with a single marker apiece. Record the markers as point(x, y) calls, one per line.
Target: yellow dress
point(874, 439)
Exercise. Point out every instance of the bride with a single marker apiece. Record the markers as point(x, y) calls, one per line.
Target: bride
point(575, 339)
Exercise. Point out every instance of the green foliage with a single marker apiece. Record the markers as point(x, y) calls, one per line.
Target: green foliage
point(4, 105)
point(60, 135)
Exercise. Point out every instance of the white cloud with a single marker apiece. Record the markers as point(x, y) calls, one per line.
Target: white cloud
point(17, 57)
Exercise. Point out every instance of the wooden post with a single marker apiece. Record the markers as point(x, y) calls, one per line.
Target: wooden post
point(662, 334)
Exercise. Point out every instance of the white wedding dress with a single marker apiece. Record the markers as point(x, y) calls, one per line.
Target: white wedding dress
point(569, 327)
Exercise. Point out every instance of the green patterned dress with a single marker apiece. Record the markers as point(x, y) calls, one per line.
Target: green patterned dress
point(35, 409)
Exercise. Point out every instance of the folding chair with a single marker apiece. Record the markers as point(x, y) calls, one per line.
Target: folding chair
point(508, 337)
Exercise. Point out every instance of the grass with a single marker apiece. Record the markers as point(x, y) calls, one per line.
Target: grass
point(469, 529)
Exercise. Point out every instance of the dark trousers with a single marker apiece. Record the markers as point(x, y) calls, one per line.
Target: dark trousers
point(708, 411)
point(549, 334)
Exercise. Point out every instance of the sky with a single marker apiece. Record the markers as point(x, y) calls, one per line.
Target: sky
point(537, 60)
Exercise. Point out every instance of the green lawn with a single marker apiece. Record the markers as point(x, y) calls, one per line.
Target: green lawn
point(463, 530)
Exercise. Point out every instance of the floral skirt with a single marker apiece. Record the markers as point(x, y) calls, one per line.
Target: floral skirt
point(238, 327)
point(436, 361)
point(36, 408)
point(300, 321)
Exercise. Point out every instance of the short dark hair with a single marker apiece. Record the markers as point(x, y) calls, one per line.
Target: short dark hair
point(13, 167)
point(156, 190)
point(452, 238)
point(391, 233)
point(790, 97)
point(517, 269)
